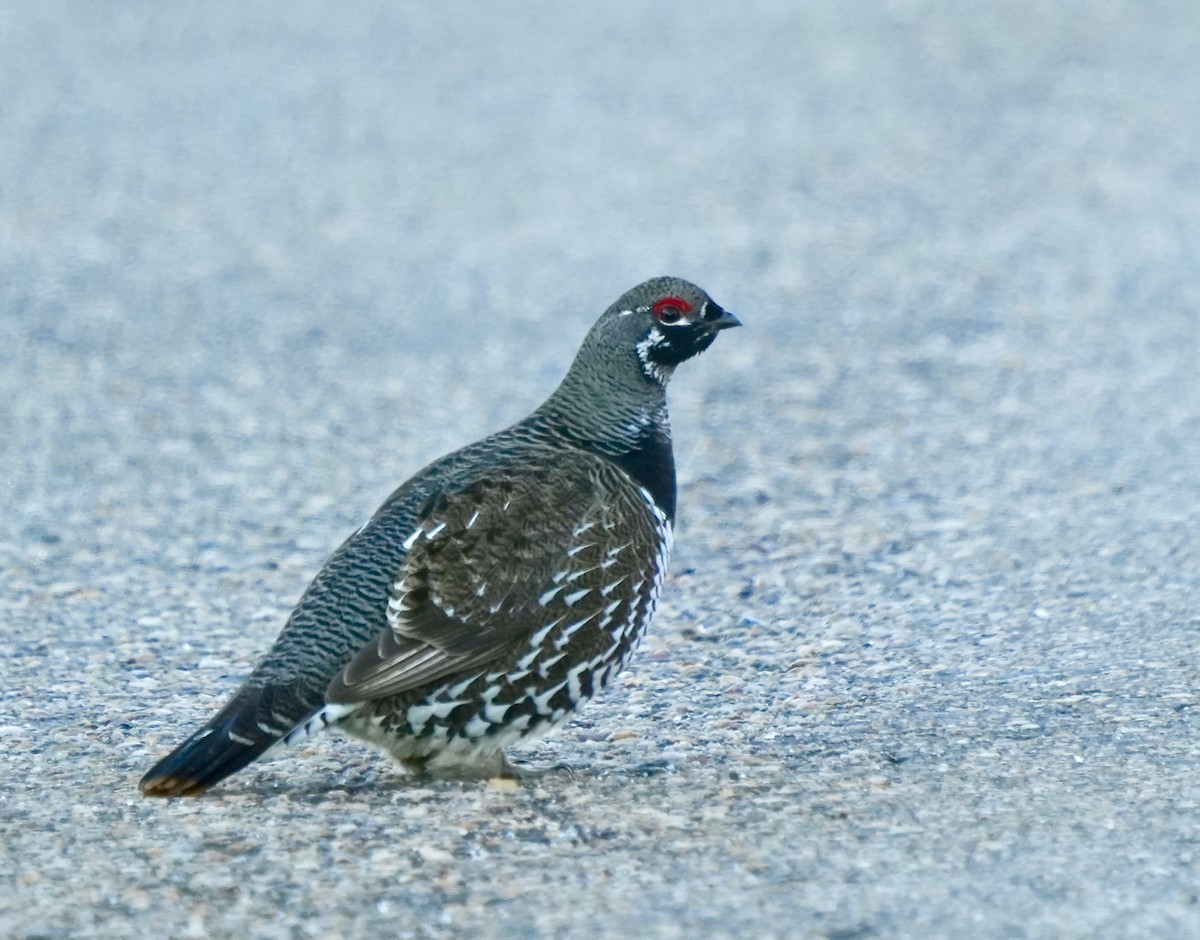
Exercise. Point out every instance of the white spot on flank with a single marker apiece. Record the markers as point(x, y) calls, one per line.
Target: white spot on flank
point(411, 540)
point(536, 640)
point(471, 521)
point(318, 722)
point(571, 629)
point(526, 661)
point(477, 727)
point(335, 712)
point(495, 713)
point(403, 585)
point(546, 598)
point(573, 687)
point(574, 596)
point(418, 715)
point(609, 588)
point(542, 702)
point(435, 530)
point(456, 690)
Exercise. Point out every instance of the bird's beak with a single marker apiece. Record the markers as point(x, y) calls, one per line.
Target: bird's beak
point(716, 318)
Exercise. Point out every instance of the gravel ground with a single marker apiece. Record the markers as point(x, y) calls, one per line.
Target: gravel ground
point(926, 662)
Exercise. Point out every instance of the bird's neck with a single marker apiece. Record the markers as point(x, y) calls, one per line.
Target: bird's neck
point(620, 417)
point(610, 407)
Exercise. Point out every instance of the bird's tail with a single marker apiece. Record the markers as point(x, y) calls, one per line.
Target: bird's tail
point(235, 737)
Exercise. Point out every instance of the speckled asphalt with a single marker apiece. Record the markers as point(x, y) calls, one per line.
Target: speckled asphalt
point(926, 664)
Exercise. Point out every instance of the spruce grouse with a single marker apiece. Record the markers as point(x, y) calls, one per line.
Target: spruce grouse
point(499, 588)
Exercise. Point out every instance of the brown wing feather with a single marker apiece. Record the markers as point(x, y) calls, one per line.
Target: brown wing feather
point(478, 576)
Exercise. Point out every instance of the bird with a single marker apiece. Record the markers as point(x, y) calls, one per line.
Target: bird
point(499, 588)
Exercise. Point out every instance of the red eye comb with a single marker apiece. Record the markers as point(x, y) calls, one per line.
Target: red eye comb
point(661, 307)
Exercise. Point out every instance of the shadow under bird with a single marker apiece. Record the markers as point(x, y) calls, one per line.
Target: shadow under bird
point(498, 589)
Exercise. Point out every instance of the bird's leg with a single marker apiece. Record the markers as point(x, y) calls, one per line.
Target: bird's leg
point(417, 766)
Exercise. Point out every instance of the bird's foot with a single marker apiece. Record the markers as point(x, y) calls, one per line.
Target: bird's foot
point(519, 771)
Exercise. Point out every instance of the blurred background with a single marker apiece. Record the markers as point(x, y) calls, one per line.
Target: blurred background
point(926, 665)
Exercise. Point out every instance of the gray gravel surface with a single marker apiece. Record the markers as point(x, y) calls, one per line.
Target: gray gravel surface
point(926, 665)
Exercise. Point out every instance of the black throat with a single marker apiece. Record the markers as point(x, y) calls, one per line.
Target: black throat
point(651, 464)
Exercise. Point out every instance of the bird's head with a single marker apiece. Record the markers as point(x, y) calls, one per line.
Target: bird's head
point(615, 388)
point(663, 321)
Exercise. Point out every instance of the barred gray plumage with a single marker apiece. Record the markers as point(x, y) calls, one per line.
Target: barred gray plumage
point(500, 587)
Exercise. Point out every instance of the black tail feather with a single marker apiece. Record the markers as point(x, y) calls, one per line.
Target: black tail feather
point(222, 747)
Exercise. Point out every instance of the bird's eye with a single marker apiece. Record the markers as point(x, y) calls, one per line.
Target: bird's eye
point(670, 309)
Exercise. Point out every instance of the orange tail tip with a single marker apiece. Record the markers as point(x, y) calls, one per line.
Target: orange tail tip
point(171, 786)
point(206, 758)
